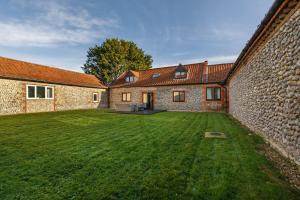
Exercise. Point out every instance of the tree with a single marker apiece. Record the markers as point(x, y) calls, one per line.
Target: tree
point(114, 57)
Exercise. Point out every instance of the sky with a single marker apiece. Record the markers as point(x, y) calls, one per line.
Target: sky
point(59, 32)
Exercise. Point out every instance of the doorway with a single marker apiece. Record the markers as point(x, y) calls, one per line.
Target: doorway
point(148, 100)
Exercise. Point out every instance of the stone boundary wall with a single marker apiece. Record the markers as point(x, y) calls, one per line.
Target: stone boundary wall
point(264, 93)
point(13, 98)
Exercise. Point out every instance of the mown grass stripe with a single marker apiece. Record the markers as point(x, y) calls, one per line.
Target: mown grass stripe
point(92, 154)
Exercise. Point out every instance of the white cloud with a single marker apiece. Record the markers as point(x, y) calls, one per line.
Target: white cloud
point(227, 32)
point(222, 59)
point(53, 24)
point(178, 54)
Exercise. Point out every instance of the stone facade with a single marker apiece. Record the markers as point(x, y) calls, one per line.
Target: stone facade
point(69, 98)
point(13, 98)
point(264, 93)
point(195, 98)
point(214, 105)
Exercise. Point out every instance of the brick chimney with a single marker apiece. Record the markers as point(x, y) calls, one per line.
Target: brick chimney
point(205, 72)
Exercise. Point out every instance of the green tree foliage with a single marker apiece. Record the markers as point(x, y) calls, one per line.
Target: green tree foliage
point(114, 57)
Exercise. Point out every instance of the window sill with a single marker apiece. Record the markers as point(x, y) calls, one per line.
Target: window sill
point(39, 98)
point(213, 99)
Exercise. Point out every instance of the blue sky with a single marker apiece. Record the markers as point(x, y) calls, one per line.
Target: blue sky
point(59, 33)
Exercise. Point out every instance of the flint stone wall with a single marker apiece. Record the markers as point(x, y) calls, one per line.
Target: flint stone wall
point(264, 94)
point(13, 98)
point(163, 97)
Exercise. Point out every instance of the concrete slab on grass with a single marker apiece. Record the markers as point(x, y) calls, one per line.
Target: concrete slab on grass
point(215, 135)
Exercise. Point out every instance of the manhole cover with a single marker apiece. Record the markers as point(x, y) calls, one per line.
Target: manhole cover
point(214, 135)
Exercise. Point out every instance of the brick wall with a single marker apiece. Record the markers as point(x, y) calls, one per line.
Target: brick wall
point(264, 93)
point(13, 98)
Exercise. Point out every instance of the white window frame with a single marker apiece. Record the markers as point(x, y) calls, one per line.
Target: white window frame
point(46, 88)
point(35, 91)
point(97, 95)
point(27, 93)
point(180, 75)
point(129, 79)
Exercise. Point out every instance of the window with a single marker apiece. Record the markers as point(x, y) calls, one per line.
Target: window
point(95, 97)
point(213, 93)
point(129, 79)
point(178, 96)
point(49, 92)
point(39, 92)
point(180, 75)
point(155, 75)
point(126, 96)
point(30, 92)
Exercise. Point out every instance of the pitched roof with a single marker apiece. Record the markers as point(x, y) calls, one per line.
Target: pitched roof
point(14, 69)
point(166, 76)
point(218, 72)
point(195, 75)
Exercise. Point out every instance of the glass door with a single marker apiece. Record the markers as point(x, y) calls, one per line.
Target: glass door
point(148, 100)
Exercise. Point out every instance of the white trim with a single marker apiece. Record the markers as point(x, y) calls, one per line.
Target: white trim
point(27, 93)
point(97, 95)
point(46, 88)
point(44, 91)
point(35, 91)
point(129, 79)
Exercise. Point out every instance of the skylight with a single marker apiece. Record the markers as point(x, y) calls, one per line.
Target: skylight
point(155, 75)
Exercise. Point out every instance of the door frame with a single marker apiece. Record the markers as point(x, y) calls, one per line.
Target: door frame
point(152, 99)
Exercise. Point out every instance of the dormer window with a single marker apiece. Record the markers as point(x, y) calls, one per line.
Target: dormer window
point(129, 79)
point(180, 72)
point(155, 75)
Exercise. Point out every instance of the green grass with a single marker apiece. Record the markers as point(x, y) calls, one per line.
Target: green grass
point(94, 154)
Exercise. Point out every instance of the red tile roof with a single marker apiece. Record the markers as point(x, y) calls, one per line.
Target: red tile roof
point(166, 76)
point(218, 72)
point(14, 69)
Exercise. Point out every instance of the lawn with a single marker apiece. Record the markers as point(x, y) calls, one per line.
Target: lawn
point(94, 154)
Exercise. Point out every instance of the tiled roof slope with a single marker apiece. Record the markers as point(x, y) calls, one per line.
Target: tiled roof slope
point(14, 69)
point(218, 72)
point(166, 77)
